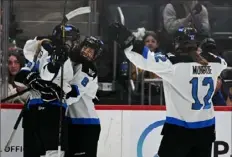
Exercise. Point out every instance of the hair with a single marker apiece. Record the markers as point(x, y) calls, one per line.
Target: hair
point(150, 33)
point(21, 60)
point(190, 49)
point(198, 58)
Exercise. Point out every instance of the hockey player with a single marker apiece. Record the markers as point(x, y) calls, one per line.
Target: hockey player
point(43, 75)
point(189, 82)
point(83, 122)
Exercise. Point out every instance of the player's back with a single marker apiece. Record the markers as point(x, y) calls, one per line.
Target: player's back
point(188, 85)
point(189, 91)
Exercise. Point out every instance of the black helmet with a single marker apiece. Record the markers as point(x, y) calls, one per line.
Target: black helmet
point(208, 45)
point(72, 36)
point(186, 34)
point(185, 38)
point(71, 32)
point(91, 48)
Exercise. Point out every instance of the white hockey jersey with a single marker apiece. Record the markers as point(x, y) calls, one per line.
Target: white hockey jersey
point(81, 109)
point(40, 65)
point(188, 86)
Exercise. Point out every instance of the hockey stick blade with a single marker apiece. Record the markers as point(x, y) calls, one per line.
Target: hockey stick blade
point(15, 127)
point(55, 153)
point(10, 140)
point(76, 12)
point(122, 18)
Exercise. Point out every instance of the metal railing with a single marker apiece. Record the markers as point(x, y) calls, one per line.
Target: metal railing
point(150, 83)
point(140, 80)
point(153, 82)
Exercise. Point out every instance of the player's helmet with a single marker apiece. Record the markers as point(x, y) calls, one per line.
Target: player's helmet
point(185, 38)
point(72, 36)
point(208, 45)
point(71, 32)
point(91, 48)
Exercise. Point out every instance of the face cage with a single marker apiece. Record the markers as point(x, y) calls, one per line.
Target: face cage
point(89, 56)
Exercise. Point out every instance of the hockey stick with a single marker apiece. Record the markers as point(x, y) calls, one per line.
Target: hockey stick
point(61, 84)
point(76, 12)
point(66, 18)
point(15, 127)
point(15, 95)
point(122, 20)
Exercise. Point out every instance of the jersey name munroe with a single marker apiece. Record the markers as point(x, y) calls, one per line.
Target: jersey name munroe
point(201, 70)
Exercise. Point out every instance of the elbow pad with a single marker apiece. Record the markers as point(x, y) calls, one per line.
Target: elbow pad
point(74, 92)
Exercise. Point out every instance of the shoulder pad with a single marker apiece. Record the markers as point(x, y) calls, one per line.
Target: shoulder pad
point(90, 69)
point(212, 58)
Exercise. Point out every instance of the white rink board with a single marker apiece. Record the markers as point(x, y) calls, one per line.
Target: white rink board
point(121, 134)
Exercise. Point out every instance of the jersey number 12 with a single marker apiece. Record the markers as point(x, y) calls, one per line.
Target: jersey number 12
point(197, 104)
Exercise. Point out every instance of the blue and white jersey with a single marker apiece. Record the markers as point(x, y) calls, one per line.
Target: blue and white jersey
point(81, 109)
point(188, 86)
point(40, 65)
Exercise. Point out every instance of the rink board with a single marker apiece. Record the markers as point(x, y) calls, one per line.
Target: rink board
point(127, 131)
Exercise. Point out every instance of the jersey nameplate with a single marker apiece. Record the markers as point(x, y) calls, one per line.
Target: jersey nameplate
point(203, 71)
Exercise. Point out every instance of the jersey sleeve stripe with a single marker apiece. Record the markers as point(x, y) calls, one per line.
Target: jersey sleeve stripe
point(145, 52)
point(77, 89)
point(84, 120)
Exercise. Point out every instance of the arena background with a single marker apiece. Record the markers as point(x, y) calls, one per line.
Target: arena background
point(131, 118)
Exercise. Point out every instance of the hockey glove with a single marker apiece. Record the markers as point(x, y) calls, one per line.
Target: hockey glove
point(74, 92)
point(26, 77)
point(51, 93)
point(138, 46)
point(60, 54)
point(58, 58)
point(31, 79)
point(38, 84)
point(71, 97)
point(121, 35)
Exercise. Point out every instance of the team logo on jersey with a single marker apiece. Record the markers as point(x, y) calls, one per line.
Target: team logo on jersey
point(192, 37)
point(198, 70)
point(29, 64)
point(41, 108)
point(91, 72)
point(85, 81)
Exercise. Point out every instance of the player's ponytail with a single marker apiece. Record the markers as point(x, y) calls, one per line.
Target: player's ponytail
point(198, 58)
